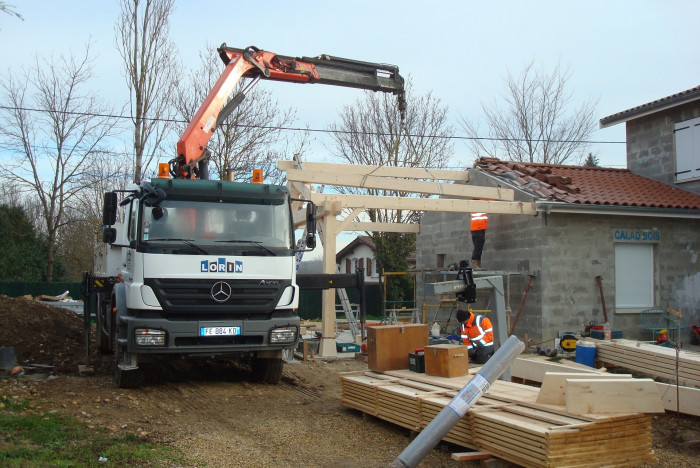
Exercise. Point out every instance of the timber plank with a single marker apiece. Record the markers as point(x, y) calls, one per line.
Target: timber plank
point(553, 388)
point(612, 395)
point(515, 429)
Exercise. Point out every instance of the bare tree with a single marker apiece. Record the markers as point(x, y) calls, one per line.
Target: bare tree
point(10, 10)
point(150, 63)
point(371, 133)
point(535, 123)
point(83, 216)
point(55, 131)
point(252, 136)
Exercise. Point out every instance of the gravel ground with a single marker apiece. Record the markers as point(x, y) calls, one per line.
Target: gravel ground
point(218, 419)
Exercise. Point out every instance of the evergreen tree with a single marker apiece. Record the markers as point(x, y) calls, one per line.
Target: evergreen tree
point(592, 161)
point(24, 250)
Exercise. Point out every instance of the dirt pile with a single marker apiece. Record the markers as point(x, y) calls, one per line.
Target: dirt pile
point(43, 334)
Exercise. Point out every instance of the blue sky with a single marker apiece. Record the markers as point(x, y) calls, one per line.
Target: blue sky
point(624, 53)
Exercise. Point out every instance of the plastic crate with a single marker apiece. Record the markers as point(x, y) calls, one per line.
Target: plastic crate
point(347, 347)
point(598, 334)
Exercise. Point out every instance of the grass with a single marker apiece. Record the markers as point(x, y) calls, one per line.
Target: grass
point(30, 437)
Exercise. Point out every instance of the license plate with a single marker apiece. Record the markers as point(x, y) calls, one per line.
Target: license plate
point(219, 331)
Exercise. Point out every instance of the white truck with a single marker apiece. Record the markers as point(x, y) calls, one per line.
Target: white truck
point(197, 267)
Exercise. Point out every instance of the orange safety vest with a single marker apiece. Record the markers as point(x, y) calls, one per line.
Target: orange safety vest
point(479, 221)
point(477, 329)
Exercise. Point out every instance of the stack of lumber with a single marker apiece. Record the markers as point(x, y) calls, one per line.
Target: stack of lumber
point(506, 422)
point(653, 360)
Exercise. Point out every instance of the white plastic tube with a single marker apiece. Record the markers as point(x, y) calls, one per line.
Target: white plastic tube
point(460, 404)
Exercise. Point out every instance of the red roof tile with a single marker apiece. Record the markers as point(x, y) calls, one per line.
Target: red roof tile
point(590, 185)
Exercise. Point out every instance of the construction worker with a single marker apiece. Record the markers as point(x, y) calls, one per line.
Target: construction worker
point(479, 224)
point(477, 335)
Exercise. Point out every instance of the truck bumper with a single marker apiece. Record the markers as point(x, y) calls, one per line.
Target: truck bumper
point(185, 336)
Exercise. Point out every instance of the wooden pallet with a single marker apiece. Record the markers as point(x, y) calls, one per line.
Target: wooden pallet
point(505, 422)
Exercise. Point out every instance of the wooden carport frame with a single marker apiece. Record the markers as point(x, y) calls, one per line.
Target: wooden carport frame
point(451, 186)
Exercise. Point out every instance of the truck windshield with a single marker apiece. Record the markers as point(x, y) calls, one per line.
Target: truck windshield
point(216, 226)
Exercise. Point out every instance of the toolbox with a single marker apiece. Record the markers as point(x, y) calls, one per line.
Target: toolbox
point(416, 362)
point(388, 345)
point(446, 360)
point(347, 347)
point(598, 334)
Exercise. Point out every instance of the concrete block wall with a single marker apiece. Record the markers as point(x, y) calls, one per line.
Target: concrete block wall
point(581, 247)
point(513, 244)
point(651, 147)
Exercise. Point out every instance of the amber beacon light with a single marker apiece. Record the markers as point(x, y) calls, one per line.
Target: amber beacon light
point(163, 171)
point(257, 176)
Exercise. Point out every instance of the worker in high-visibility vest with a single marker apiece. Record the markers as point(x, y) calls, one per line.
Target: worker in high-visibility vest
point(479, 224)
point(477, 335)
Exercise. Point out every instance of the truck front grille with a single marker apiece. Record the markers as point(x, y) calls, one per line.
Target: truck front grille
point(246, 297)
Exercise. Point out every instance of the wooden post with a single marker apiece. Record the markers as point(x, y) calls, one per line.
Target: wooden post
point(329, 225)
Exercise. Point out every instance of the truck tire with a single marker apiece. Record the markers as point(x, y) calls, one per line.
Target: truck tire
point(267, 370)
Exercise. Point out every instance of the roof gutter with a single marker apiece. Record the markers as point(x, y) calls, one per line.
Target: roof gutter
point(615, 210)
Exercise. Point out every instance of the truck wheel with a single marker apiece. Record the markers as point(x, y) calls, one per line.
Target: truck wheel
point(124, 378)
point(267, 370)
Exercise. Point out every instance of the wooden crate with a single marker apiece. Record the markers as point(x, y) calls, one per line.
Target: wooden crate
point(388, 345)
point(446, 360)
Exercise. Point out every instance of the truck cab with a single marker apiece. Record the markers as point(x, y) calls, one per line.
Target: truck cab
point(207, 269)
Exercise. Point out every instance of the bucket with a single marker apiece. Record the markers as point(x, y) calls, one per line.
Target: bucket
point(585, 353)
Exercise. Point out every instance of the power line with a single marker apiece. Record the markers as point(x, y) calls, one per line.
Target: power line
point(316, 130)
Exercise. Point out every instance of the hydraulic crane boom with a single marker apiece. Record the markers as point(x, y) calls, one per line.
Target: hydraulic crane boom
point(259, 64)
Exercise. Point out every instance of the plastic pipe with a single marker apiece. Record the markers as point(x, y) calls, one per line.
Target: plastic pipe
point(460, 404)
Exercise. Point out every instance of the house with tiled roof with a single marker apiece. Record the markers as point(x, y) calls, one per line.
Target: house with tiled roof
point(604, 243)
point(663, 138)
point(359, 253)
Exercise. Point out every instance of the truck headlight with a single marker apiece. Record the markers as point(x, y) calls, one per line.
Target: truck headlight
point(149, 337)
point(283, 335)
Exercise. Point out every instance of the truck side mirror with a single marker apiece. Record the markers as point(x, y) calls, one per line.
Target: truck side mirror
point(311, 225)
point(109, 209)
point(109, 235)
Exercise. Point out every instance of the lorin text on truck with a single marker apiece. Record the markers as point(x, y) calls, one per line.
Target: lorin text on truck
point(191, 267)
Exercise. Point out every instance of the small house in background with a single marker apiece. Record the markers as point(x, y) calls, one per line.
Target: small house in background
point(663, 139)
point(359, 254)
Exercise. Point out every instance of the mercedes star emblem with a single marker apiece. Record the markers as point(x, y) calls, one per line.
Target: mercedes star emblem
point(221, 291)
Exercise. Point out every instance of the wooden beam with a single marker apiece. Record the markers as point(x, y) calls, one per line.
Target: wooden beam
point(689, 398)
point(584, 396)
point(553, 390)
point(349, 219)
point(467, 456)
point(429, 204)
point(382, 227)
point(380, 171)
point(401, 185)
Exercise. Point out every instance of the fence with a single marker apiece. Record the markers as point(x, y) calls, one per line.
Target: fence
point(309, 300)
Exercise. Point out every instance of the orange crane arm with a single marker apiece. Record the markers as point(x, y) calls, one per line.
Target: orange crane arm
point(259, 64)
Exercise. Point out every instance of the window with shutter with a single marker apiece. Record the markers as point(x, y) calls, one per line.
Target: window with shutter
point(687, 137)
point(369, 267)
point(347, 265)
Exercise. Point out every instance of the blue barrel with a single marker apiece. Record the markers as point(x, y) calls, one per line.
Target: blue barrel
point(585, 353)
